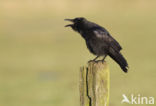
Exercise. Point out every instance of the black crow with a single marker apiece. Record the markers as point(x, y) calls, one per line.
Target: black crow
point(98, 40)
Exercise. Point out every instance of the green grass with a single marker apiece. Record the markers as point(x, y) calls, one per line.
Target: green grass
point(40, 59)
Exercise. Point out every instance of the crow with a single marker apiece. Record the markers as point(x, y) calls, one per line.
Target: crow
point(98, 41)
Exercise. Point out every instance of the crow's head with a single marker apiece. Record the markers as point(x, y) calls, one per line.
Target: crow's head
point(77, 23)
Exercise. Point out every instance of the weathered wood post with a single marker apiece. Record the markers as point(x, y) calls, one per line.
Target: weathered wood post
point(94, 84)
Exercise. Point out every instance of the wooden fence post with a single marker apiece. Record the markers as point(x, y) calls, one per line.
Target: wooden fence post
point(94, 84)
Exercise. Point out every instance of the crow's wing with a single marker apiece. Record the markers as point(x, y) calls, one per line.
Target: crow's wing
point(101, 33)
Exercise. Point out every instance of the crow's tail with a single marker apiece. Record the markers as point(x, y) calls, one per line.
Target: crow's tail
point(117, 56)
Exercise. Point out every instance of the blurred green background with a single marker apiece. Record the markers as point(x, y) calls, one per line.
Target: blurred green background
point(40, 58)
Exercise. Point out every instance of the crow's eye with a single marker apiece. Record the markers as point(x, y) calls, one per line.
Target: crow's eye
point(79, 19)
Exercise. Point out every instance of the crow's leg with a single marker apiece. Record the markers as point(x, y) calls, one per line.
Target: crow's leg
point(94, 60)
point(104, 58)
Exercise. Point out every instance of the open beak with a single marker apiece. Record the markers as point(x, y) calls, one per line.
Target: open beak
point(71, 20)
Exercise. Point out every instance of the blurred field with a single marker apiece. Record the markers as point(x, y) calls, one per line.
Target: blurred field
point(40, 59)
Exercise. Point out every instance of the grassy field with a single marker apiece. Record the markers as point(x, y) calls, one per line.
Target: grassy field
point(40, 59)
